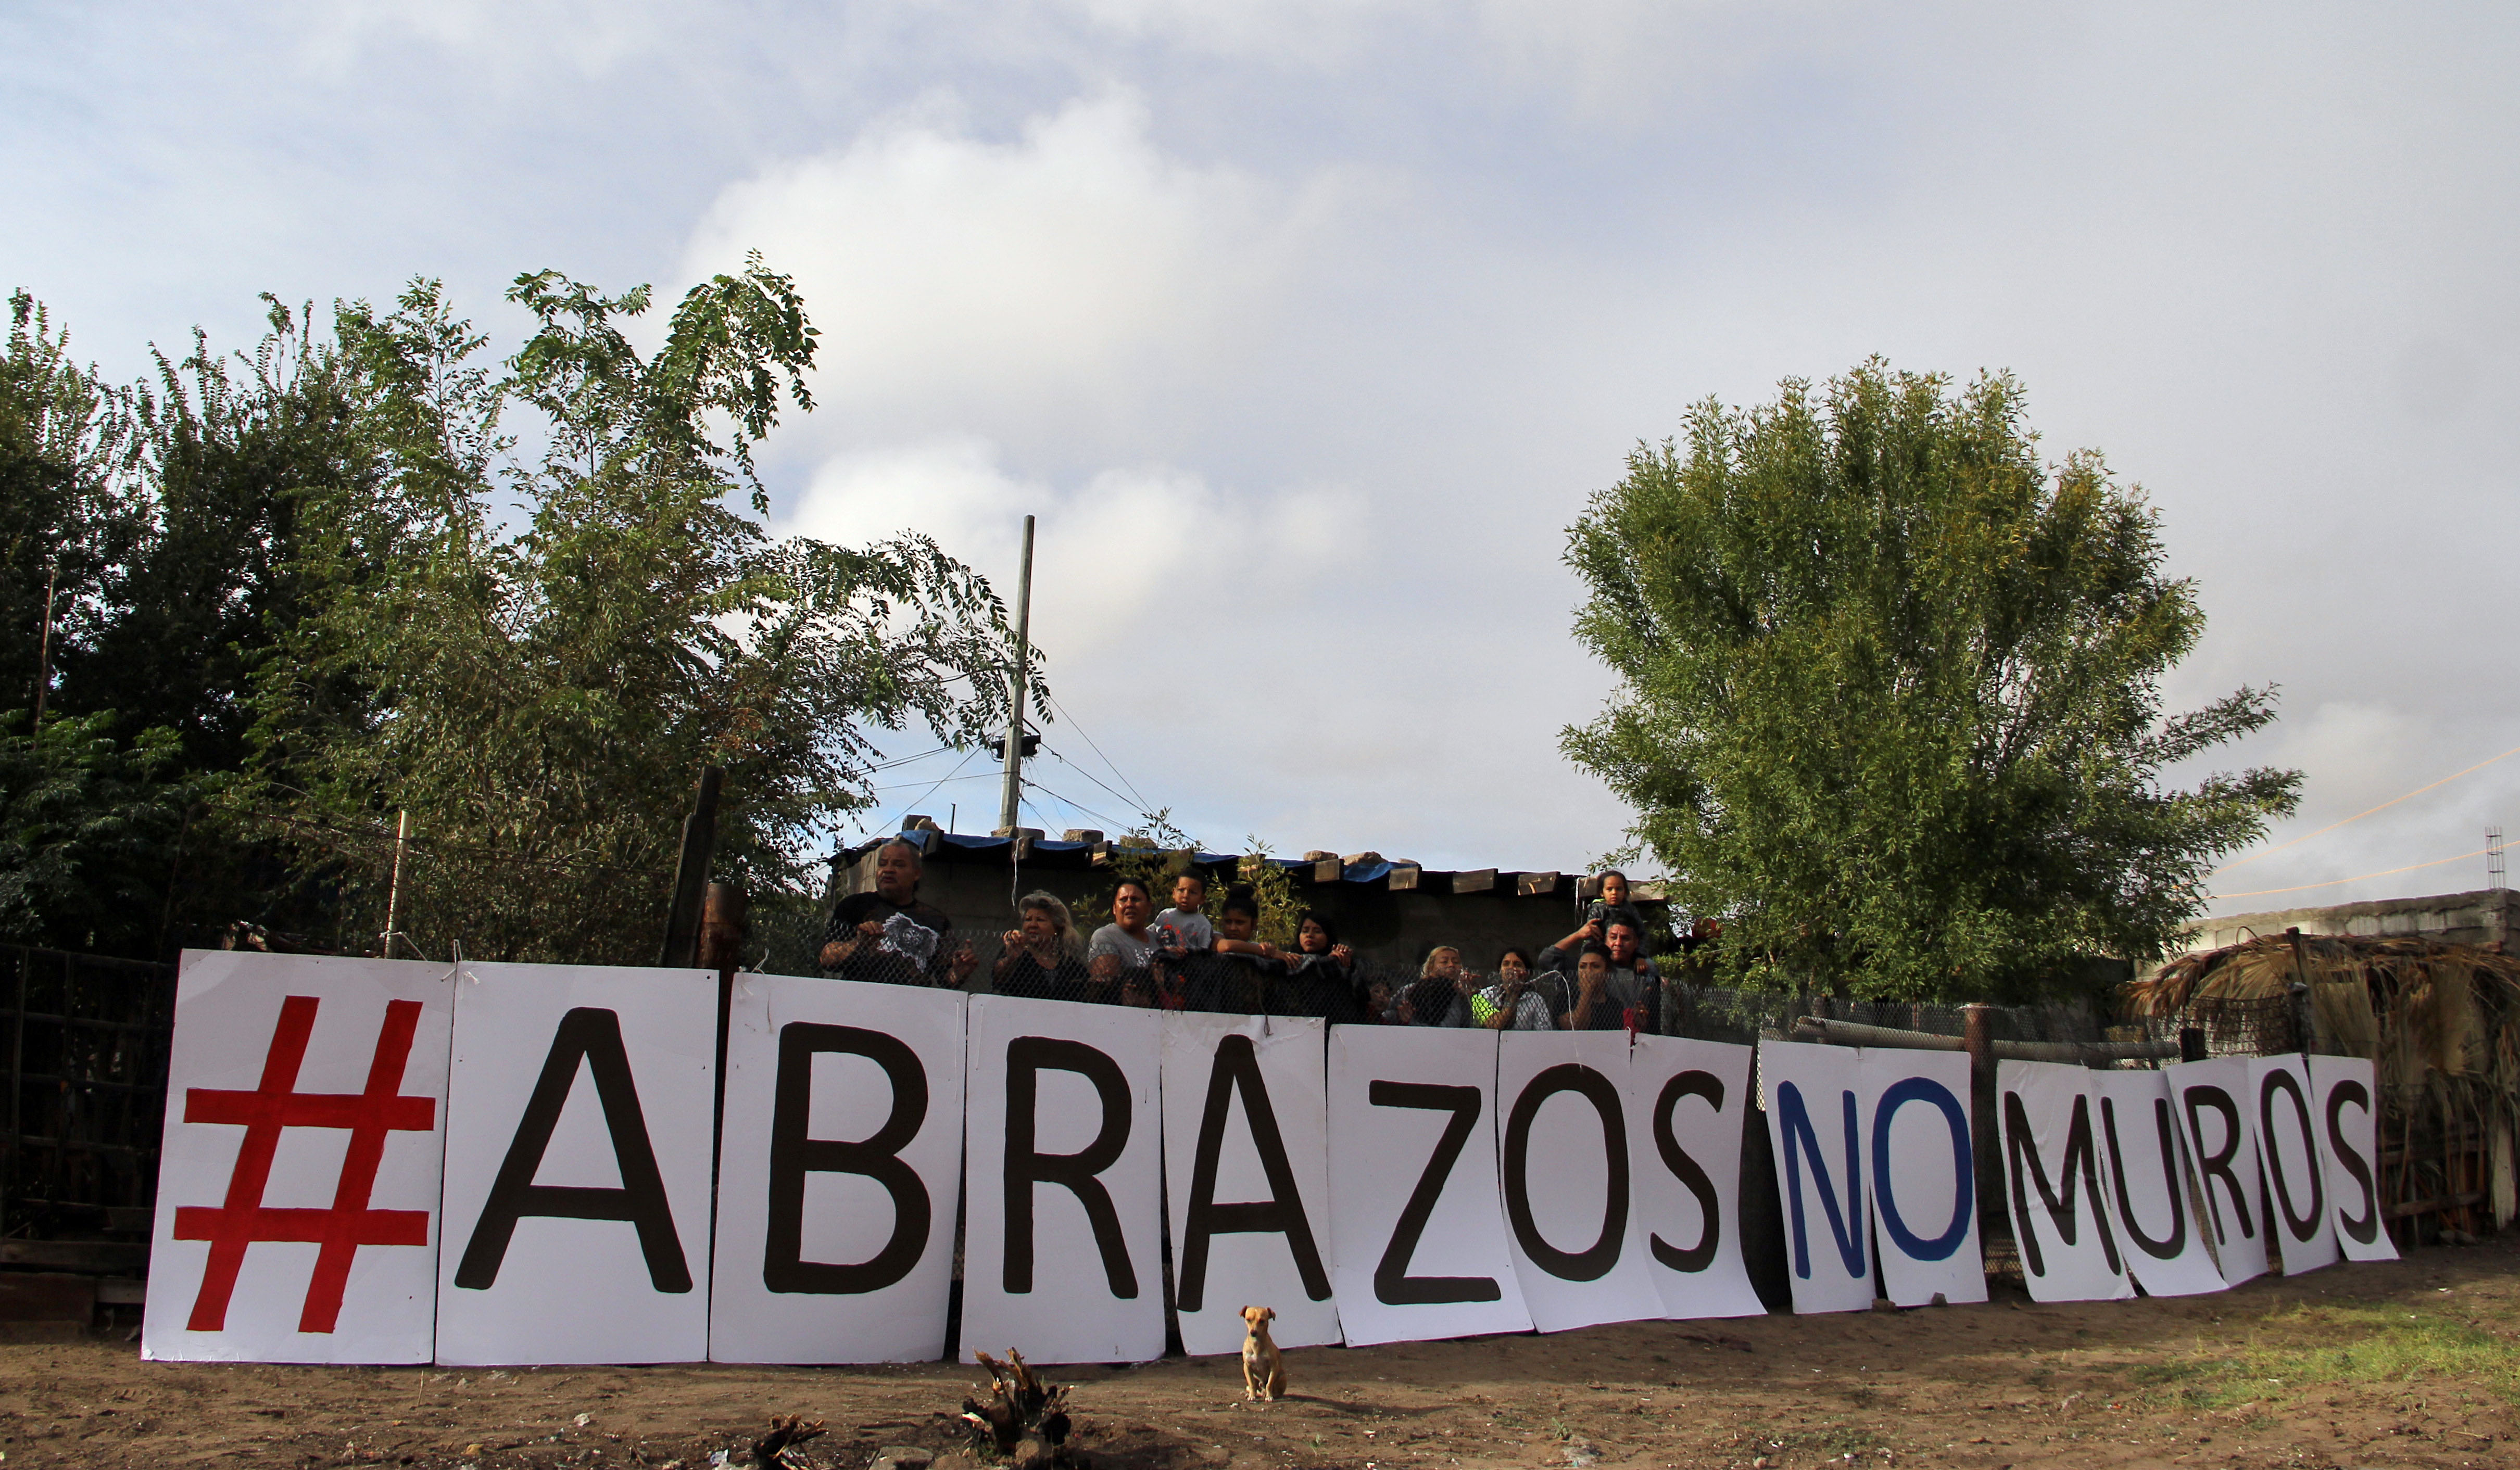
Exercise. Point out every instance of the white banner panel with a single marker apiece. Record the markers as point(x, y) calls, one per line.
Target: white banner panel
point(2216, 1100)
point(2345, 1103)
point(1686, 1104)
point(2288, 1151)
point(2055, 1179)
point(840, 1161)
point(1246, 1169)
point(1065, 1156)
point(1568, 1175)
point(577, 1165)
point(297, 1187)
point(2152, 1190)
point(1418, 1235)
point(1925, 1174)
point(1816, 1123)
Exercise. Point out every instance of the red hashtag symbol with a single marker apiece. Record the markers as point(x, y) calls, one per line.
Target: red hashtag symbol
point(277, 1104)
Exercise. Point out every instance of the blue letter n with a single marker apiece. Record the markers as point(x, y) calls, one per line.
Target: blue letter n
point(1800, 1142)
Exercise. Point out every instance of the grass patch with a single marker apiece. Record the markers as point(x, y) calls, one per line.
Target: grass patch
point(2310, 1347)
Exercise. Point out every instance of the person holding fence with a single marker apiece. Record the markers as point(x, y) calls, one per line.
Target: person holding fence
point(889, 936)
point(1631, 987)
point(1123, 961)
point(1241, 972)
point(1041, 956)
point(1512, 1003)
point(1320, 976)
point(1442, 995)
point(1613, 906)
point(1185, 926)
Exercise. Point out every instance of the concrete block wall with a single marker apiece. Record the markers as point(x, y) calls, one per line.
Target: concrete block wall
point(2482, 916)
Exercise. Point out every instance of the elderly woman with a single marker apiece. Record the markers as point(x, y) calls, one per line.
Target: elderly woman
point(1042, 957)
point(1442, 995)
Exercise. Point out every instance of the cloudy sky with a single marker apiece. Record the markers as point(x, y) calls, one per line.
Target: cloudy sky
point(1306, 329)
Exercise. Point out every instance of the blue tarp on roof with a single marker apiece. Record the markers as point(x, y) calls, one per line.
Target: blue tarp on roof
point(960, 839)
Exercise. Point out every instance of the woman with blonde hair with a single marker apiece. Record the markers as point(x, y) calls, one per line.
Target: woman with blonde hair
point(1043, 957)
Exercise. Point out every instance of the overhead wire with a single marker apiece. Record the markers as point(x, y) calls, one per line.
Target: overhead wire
point(940, 781)
point(2356, 817)
point(1072, 802)
point(1090, 775)
point(1135, 794)
point(2356, 878)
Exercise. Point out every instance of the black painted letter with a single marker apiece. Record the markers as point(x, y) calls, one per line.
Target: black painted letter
point(2305, 1226)
point(1596, 1260)
point(2217, 1166)
point(594, 1037)
point(1027, 1056)
point(2168, 1247)
point(2021, 1145)
point(1237, 1069)
point(1393, 1286)
point(1675, 1158)
point(2366, 1229)
point(794, 1155)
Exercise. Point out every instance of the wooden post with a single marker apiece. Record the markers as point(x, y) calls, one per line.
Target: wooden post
point(2191, 1043)
point(2301, 1012)
point(682, 949)
point(721, 949)
point(1977, 1035)
point(721, 929)
point(1011, 796)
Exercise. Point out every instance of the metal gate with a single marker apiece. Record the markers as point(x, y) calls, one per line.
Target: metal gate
point(87, 1038)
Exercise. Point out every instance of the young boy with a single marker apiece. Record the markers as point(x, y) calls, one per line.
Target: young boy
point(1191, 931)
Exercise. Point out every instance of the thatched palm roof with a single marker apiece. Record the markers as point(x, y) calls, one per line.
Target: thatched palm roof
point(2413, 1005)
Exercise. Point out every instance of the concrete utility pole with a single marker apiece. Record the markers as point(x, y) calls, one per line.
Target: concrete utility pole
point(1016, 683)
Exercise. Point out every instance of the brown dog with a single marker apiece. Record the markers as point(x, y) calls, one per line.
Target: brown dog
point(1264, 1370)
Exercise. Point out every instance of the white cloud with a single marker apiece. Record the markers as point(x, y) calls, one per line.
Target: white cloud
point(1072, 268)
point(1120, 557)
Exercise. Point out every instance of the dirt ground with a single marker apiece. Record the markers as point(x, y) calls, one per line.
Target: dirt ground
point(2409, 1363)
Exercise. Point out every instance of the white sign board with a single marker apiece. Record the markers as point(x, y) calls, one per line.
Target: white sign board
point(2288, 1152)
point(1568, 1175)
point(577, 1165)
point(839, 1172)
point(1065, 1149)
point(1246, 1169)
point(2156, 1204)
point(2217, 1101)
point(2347, 1105)
point(297, 1187)
point(1815, 1124)
point(1686, 1102)
point(1418, 1236)
point(2056, 1179)
point(1925, 1174)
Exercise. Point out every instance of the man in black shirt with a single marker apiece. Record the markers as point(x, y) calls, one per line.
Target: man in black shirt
point(891, 938)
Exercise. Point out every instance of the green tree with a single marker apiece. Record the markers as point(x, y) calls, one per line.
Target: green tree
point(533, 653)
point(65, 521)
point(1889, 696)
